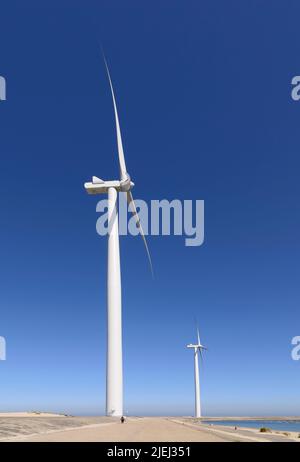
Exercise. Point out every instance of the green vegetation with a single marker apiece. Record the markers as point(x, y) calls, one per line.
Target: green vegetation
point(265, 430)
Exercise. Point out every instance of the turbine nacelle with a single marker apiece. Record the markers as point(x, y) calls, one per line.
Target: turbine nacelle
point(99, 186)
point(190, 345)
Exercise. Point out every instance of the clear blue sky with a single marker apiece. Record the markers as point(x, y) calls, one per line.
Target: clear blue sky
point(203, 90)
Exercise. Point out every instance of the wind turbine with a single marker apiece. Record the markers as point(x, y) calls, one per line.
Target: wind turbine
point(197, 348)
point(114, 366)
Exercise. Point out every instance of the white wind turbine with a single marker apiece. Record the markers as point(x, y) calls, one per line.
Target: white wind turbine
point(197, 348)
point(114, 366)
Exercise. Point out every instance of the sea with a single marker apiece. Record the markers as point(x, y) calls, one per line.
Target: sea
point(279, 425)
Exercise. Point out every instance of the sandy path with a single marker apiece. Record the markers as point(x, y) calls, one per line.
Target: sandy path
point(151, 429)
point(137, 430)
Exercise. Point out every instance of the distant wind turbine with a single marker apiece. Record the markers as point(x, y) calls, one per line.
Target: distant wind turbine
point(114, 372)
point(197, 348)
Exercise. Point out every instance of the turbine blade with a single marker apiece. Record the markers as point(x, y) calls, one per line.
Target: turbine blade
point(198, 336)
point(123, 171)
point(197, 329)
point(139, 225)
point(201, 355)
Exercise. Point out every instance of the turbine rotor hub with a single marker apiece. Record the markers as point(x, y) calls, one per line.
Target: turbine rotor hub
point(126, 184)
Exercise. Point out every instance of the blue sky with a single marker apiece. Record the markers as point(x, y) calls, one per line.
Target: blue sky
point(203, 90)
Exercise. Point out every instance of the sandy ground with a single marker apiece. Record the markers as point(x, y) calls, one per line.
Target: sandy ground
point(134, 430)
point(56, 428)
point(30, 414)
point(25, 425)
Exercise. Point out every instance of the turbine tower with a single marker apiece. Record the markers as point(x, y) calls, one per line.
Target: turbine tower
point(197, 348)
point(114, 365)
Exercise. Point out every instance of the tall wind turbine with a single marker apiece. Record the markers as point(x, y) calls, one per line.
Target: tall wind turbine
point(197, 349)
point(114, 366)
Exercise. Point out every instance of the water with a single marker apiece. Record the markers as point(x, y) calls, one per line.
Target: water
point(279, 425)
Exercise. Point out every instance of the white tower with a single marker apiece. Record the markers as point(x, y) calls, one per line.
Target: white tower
point(197, 349)
point(114, 372)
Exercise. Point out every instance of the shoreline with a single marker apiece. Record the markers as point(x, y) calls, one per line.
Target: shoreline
point(260, 418)
point(244, 431)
